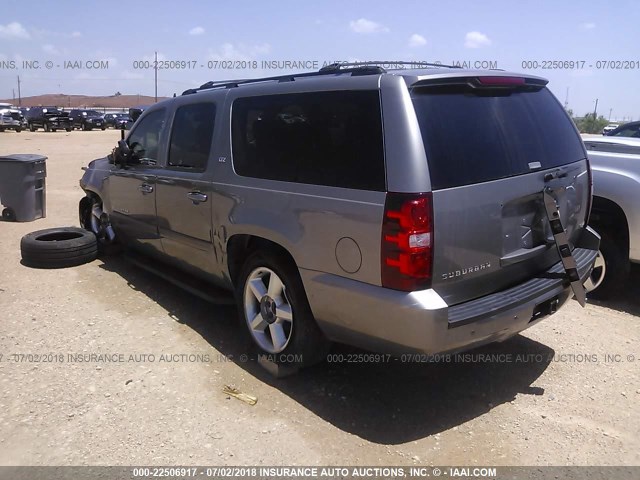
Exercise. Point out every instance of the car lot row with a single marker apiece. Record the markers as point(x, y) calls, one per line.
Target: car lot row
point(51, 118)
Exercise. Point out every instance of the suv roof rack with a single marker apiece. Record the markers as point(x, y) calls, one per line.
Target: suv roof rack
point(338, 68)
point(386, 65)
point(356, 70)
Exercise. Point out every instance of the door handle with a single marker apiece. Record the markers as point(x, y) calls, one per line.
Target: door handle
point(145, 188)
point(197, 197)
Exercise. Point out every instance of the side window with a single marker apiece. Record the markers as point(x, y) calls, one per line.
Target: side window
point(321, 138)
point(191, 136)
point(145, 139)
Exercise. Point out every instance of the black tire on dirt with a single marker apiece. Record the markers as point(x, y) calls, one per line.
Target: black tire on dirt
point(306, 345)
point(47, 127)
point(32, 128)
point(58, 247)
point(616, 269)
point(68, 129)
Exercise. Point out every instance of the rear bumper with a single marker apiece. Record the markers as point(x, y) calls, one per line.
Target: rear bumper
point(390, 321)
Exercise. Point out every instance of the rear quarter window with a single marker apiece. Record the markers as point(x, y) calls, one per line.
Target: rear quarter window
point(478, 136)
point(320, 138)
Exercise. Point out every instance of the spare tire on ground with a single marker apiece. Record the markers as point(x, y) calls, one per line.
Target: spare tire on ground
point(58, 247)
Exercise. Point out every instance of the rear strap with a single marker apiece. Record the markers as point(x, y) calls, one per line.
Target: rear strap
point(560, 236)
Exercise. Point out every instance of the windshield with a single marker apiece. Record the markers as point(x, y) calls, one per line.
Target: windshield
point(482, 135)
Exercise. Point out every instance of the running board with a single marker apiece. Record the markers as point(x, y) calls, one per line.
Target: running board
point(183, 280)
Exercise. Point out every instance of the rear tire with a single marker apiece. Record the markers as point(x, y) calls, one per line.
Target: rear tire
point(275, 313)
point(32, 128)
point(47, 127)
point(58, 247)
point(608, 277)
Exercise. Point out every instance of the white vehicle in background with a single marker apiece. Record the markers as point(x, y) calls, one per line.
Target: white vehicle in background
point(10, 118)
point(609, 128)
point(615, 214)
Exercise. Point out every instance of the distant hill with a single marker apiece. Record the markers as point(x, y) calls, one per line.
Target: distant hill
point(84, 101)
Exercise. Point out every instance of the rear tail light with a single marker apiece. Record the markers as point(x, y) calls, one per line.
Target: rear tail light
point(407, 241)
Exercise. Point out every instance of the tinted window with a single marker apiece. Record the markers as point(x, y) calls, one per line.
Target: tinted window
point(145, 139)
point(191, 136)
point(477, 136)
point(322, 138)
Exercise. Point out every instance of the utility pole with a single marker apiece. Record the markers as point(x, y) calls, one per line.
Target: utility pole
point(595, 110)
point(610, 110)
point(566, 99)
point(14, 95)
point(156, 74)
point(19, 96)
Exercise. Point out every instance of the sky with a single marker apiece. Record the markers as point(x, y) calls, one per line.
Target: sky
point(100, 48)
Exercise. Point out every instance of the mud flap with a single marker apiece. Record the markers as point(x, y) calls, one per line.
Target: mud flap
point(560, 237)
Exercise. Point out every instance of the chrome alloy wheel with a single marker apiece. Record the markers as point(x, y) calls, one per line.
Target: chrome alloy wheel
point(267, 310)
point(597, 274)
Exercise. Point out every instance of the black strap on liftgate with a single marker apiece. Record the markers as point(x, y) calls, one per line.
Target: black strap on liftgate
point(560, 236)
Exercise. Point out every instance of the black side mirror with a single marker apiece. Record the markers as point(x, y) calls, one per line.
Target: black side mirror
point(123, 153)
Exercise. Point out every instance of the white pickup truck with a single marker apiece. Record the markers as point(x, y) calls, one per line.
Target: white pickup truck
point(615, 214)
point(10, 118)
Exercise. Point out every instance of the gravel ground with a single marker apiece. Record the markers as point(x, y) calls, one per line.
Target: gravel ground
point(571, 397)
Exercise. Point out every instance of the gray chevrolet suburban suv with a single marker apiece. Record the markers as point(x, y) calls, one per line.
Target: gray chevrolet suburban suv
point(429, 210)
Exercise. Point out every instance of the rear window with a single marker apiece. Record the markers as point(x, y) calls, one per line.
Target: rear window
point(320, 138)
point(474, 136)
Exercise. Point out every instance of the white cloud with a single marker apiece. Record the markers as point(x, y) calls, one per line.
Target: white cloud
point(362, 25)
point(476, 40)
point(228, 51)
point(13, 30)
point(196, 31)
point(588, 26)
point(76, 34)
point(50, 49)
point(129, 75)
point(416, 40)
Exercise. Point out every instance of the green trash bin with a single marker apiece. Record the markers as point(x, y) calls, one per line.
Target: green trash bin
point(23, 187)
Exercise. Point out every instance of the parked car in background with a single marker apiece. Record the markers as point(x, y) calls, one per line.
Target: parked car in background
point(434, 224)
point(86, 119)
point(10, 118)
point(631, 129)
point(123, 121)
point(609, 128)
point(109, 119)
point(615, 215)
point(48, 118)
point(135, 112)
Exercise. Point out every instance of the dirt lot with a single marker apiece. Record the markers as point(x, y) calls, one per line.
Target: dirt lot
point(560, 403)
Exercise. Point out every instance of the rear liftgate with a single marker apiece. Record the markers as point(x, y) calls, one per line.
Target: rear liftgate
point(560, 237)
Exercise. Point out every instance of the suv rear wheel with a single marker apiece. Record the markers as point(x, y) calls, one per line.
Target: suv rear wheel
point(609, 272)
point(274, 310)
